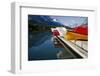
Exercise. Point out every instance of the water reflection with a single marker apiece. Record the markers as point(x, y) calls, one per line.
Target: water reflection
point(43, 46)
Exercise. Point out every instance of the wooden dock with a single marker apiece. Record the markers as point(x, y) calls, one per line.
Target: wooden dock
point(75, 48)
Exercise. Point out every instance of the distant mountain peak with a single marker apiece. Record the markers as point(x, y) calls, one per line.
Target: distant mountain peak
point(44, 19)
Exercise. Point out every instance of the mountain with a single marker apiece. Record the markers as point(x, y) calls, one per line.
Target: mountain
point(41, 19)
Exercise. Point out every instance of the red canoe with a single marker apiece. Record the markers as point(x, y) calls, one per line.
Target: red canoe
point(55, 33)
point(82, 29)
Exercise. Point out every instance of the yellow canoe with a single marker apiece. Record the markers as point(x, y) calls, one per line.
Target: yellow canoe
point(75, 36)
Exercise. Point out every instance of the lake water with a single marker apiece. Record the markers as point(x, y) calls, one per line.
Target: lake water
point(41, 47)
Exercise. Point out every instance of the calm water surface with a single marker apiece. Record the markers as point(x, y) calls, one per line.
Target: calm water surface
point(41, 47)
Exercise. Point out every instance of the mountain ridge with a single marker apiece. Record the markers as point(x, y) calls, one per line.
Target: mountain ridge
point(43, 20)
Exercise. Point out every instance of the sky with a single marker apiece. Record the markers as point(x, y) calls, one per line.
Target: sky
point(71, 21)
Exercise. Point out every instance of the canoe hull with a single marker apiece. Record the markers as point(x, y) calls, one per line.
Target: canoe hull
point(75, 36)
